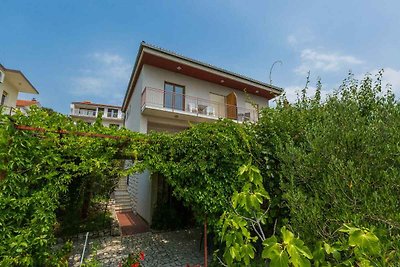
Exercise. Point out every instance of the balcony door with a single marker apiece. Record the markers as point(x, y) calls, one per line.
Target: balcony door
point(231, 106)
point(174, 96)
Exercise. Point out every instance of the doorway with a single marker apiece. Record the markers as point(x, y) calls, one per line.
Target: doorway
point(231, 106)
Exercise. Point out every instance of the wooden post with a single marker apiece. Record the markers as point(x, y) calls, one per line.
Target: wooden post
point(205, 243)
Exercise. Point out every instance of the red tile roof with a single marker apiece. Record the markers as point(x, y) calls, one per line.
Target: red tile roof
point(25, 103)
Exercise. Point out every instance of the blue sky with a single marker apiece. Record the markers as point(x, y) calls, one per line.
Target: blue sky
point(85, 50)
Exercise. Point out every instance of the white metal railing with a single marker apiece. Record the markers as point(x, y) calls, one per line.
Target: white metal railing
point(93, 113)
point(7, 110)
point(157, 98)
point(84, 112)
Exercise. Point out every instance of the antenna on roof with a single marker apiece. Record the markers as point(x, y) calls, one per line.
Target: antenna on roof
point(270, 70)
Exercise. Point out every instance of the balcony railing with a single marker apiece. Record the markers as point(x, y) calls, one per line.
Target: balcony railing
point(86, 113)
point(7, 110)
point(182, 103)
point(93, 114)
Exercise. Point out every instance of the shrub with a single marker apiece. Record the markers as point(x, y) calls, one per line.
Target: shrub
point(337, 160)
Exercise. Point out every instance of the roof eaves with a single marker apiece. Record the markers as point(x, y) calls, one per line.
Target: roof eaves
point(20, 72)
point(174, 54)
point(133, 72)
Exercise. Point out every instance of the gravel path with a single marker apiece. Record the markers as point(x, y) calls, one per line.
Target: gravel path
point(177, 248)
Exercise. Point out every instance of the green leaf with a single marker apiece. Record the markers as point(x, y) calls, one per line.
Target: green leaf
point(287, 235)
point(318, 254)
point(366, 241)
point(270, 241)
point(278, 257)
point(232, 251)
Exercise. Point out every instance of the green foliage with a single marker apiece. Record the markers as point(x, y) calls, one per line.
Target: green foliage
point(92, 261)
point(36, 170)
point(246, 216)
point(243, 229)
point(361, 248)
point(335, 161)
point(199, 164)
point(321, 166)
point(97, 220)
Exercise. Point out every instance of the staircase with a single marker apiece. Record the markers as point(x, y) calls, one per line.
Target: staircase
point(123, 202)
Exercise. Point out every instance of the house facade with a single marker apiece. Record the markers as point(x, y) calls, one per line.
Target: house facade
point(168, 92)
point(88, 111)
point(13, 82)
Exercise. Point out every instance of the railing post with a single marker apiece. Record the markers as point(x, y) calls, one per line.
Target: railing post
point(197, 106)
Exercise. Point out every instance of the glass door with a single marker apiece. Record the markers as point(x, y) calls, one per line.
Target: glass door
point(174, 96)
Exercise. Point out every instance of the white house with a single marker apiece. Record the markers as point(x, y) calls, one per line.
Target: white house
point(13, 82)
point(168, 91)
point(88, 111)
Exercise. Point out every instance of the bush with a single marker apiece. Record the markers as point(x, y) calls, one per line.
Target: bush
point(337, 160)
point(36, 170)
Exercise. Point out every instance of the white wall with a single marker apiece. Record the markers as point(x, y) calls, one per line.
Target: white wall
point(156, 77)
point(133, 115)
point(12, 92)
point(139, 189)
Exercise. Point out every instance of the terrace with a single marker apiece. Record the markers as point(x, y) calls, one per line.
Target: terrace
point(158, 100)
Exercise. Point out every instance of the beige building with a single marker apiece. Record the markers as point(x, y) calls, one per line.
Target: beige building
point(88, 111)
point(168, 92)
point(13, 82)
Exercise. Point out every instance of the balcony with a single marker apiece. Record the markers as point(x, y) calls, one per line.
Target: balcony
point(160, 100)
point(92, 113)
point(84, 112)
point(7, 110)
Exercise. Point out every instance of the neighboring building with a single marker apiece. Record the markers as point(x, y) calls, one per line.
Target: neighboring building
point(87, 111)
point(25, 105)
point(13, 82)
point(168, 92)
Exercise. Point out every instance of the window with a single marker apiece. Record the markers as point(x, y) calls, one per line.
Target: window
point(174, 96)
point(100, 110)
point(3, 98)
point(112, 113)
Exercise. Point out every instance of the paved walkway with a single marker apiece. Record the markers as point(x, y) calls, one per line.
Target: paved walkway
point(177, 248)
point(131, 224)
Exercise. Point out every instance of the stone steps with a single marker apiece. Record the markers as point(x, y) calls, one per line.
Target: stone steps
point(122, 208)
point(123, 201)
point(121, 193)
